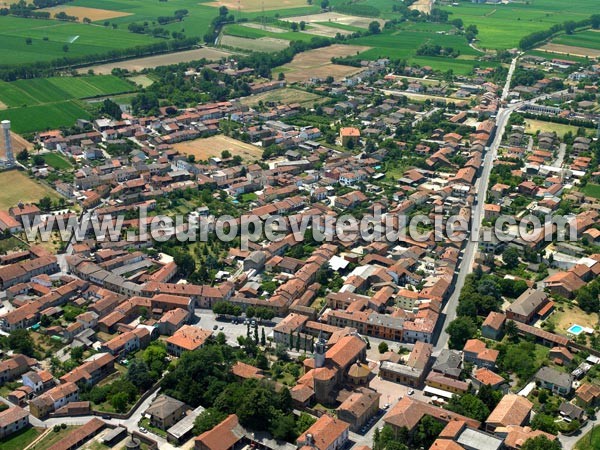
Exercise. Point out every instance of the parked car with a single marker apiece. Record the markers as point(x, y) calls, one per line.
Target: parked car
point(216, 327)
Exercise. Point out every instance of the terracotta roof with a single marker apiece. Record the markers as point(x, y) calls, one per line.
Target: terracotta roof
point(517, 435)
point(324, 432)
point(486, 376)
point(223, 436)
point(494, 320)
point(511, 410)
point(244, 370)
point(408, 412)
point(189, 337)
point(12, 415)
point(346, 350)
point(75, 437)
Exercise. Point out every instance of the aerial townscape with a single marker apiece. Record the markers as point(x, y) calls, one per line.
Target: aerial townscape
point(299, 224)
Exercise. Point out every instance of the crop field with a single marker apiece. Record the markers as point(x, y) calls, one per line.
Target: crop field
point(257, 5)
point(56, 161)
point(284, 96)
point(149, 62)
point(570, 50)
point(502, 26)
point(587, 39)
point(404, 44)
point(47, 90)
point(29, 119)
point(317, 63)
point(532, 126)
point(18, 187)
point(81, 12)
point(210, 147)
point(257, 33)
point(336, 18)
point(17, 142)
point(264, 44)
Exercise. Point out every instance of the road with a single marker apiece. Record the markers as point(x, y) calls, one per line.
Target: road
point(424, 116)
point(568, 442)
point(562, 149)
point(470, 248)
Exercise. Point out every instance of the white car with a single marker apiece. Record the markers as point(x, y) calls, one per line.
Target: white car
point(143, 430)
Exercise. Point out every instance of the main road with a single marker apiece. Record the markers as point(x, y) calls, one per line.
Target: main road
point(481, 187)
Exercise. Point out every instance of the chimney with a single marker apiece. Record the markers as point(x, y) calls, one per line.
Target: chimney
point(10, 160)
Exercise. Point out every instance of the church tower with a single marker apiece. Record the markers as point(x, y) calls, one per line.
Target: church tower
point(320, 349)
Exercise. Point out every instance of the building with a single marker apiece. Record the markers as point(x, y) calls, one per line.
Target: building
point(165, 411)
point(12, 420)
point(511, 410)
point(559, 383)
point(78, 437)
point(515, 435)
point(359, 407)
point(525, 308)
point(414, 371)
point(54, 399)
point(349, 134)
point(476, 352)
point(91, 371)
point(408, 412)
point(327, 433)
point(187, 338)
point(14, 367)
point(587, 395)
point(493, 325)
point(38, 381)
point(127, 342)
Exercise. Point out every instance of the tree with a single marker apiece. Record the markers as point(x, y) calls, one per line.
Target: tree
point(511, 329)
point(139, 375)
point(294, 26)
point(225, 154)
point(21, 342)
point(28, 41)
point(460, 330)
point(263, 339)
point(541, 443)
point(325, 4)
point(119, 402)
point(510, 256)
point(383, 347)
point(65, 48)
point(468, 405)
point(374, 27)
point(185, 263)
point(77, 353)
point(38, 160)
point(23, 155)
point(595, 21)
point(545, 423)
point(570, 27)
point(208, 419)
point(302, 25)
point(489, 396)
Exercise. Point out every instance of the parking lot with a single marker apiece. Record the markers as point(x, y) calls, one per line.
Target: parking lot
point(207, 320)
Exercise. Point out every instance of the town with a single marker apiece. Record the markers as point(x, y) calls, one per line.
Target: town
point(431, 343)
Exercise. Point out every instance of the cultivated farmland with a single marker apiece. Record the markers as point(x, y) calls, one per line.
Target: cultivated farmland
point(317, 63)
point(258, 5)
point(150, 62)
point(81, 12)
point(265, 44)
point(18, 187)
point(284, 96)
point(502, 26)
point(332, 17)
point(210, 147)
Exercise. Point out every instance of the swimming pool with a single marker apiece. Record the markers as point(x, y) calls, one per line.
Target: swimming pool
point(575, 329)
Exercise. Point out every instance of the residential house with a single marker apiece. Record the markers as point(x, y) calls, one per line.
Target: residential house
point(511, 410)
point(14, 367)
point(493, 325)
point(358, 408)
point(559, 383)
point(165, 411)
point(38, 381)
point(12, 420)
point(527, 305)
point(187, 338)
point(476, 352)
point(327, 433)
point(55, 398)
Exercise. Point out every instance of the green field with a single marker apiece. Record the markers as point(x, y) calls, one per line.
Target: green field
point(56, 161)
point(20, 440)
point(29, 119)
point(42, 103)
point(502, 26)
point(593, 190)
point(591, 440)
point(587, 39)
point(404, 44)
point(47, 90)
point(253, 33)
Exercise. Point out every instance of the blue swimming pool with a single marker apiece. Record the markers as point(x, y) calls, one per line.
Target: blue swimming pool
point(575, 329)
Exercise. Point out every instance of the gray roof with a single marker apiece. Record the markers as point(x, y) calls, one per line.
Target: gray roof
point(449, 362)
point(186, 424)
point(164, 406)
point(553, 376)
point(471, 438)
point(528, 302)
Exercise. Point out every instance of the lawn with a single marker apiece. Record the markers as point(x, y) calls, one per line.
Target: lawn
point(20, 440)
point(593, 190)
point(502, 26)
point(56, 161)
point(52, 438)
point(18, 187)
point(10, 244)
point(591, 441)
point(532, 126)
point(283, 96)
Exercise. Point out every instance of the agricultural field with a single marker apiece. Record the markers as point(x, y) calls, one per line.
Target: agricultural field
point(584, 44)
point(81, 12)
point(56, 161)
point(258, 5)
point(210, 147)
point(41, 103)
point(241, 30)
point(336, 18)
point(404, 44)
point(264, 44)
point(18, 143)
point(501, 26)
point(283, 96)
point(317, 63)
point(532, 126)
point(29, 119)
point(150, 62)
point(18, 187)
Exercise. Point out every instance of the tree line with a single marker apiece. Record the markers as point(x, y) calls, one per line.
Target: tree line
point(569, 27)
